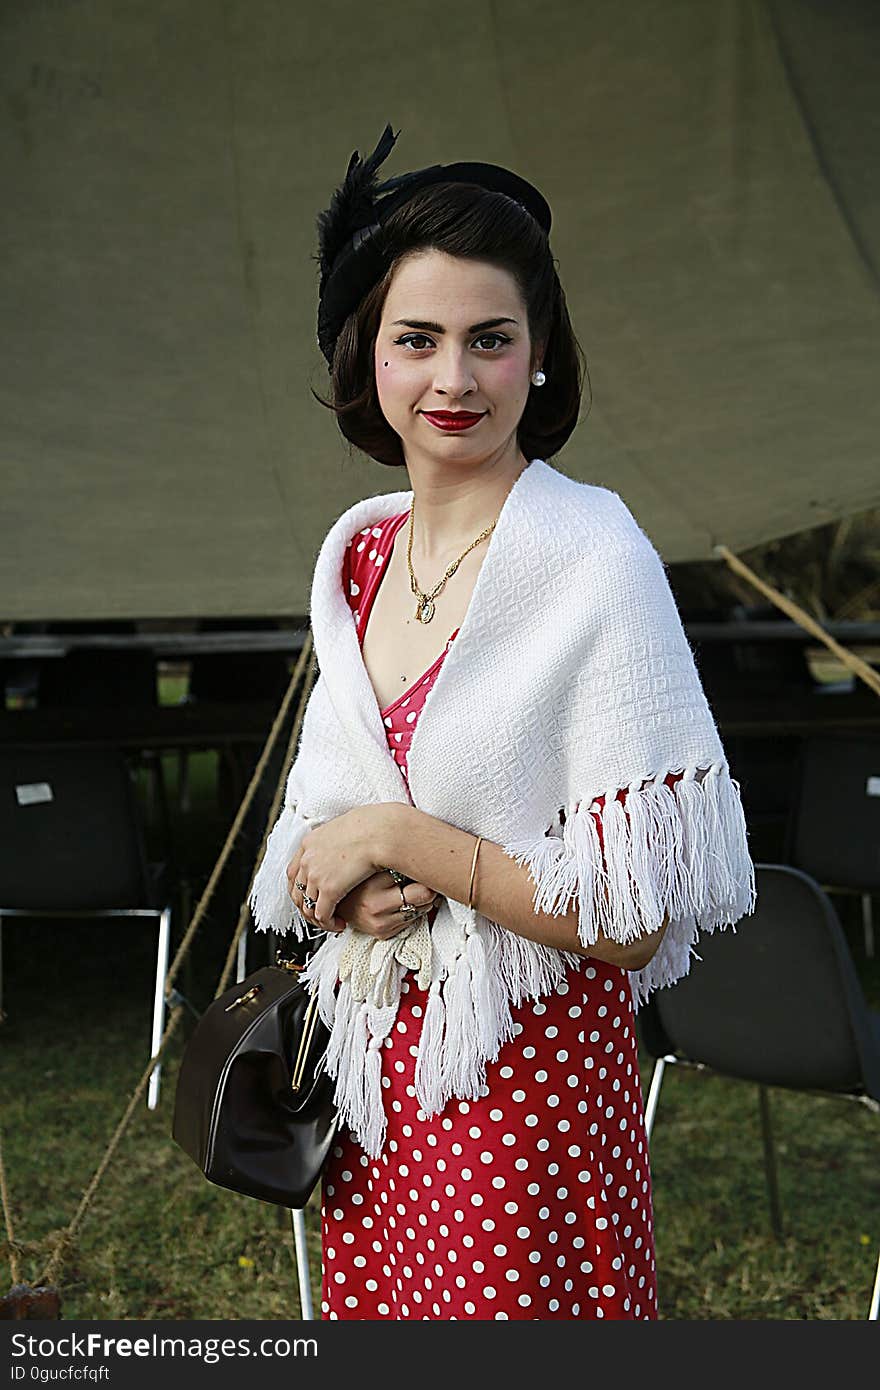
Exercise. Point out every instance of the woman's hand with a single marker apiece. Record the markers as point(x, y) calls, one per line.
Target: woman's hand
point(333, 858)
point(374, 906)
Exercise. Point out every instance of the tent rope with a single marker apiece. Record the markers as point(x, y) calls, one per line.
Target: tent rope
point(274, 810)
point(854, 663)
point(64, 1240)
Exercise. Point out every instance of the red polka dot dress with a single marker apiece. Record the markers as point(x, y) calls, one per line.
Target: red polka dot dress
point(533, 1201)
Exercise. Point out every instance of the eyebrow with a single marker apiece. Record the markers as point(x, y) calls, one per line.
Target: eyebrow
point(428, 327)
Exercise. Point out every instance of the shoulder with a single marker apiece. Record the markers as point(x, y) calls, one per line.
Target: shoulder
point(375, 532)
point(364, 514)
point(369, 544)
point(597, 520)
point(361, 516)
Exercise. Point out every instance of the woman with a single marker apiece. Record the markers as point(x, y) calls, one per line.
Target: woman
point(481, 956)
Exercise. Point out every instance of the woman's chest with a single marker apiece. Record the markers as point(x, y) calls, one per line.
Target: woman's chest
point(397, 648)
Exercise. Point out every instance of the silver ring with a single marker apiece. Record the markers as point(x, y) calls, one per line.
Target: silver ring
point(301, 886)
point(309, 902)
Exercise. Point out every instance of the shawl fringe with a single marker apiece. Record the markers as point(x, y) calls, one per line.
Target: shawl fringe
point(272, 907)
point(681, 851)
point(467, 1016)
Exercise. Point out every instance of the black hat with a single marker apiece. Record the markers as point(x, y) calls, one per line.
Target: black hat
point(350, 255)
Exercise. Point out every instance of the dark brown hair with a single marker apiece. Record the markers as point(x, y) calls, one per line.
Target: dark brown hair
point(464, 220)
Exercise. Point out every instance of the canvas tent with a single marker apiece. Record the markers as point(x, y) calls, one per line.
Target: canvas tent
point(714, 172)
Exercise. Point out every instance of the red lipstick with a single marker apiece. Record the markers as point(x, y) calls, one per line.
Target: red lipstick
point(452, 420)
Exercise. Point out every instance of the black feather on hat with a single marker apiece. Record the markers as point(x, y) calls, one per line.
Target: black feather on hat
point(352, 206)
point(350, 256)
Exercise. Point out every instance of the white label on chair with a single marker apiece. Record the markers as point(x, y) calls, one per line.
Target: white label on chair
point(873, 787)
point(27, 793)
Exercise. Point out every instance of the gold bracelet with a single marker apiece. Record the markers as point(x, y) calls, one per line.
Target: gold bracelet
point(470, 901)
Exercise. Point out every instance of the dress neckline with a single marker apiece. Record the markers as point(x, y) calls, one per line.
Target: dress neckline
point(367, 606)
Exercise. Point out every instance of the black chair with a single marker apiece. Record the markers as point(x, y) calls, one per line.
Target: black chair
point(99, 678)
point(71, 846)
point(834, 830)
point(749, 1010)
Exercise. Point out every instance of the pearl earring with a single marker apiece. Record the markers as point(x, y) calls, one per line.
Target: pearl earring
point(538, 378)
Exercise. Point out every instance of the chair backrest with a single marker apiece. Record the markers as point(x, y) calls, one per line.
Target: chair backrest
point(834, 834)
point(70, 834)
point(776, 1000)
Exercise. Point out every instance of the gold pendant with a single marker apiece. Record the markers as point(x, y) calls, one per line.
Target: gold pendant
point(425, 611)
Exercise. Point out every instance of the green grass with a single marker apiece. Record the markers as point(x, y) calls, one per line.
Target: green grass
point(161, 1242)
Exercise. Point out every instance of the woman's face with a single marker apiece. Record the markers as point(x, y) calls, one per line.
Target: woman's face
point(453, 337)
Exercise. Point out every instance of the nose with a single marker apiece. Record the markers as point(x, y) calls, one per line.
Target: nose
point(453, 375)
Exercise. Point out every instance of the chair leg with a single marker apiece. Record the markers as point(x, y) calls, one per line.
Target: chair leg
point(159, 1003)
point(654, 1095)
point(868, 925)
point(298, 1222)
point(2, 1014)
point(770, 1163)
point(874, 1310)
point(241, 963)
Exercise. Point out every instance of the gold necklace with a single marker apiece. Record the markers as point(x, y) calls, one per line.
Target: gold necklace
point(425, 605)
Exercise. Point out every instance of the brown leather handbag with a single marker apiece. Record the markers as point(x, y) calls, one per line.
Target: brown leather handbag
point(254, 1105)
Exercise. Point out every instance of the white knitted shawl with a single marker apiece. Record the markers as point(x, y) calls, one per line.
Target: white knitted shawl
point(570, 678)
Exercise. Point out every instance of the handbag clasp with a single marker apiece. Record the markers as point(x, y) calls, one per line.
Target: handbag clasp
point(243, 998)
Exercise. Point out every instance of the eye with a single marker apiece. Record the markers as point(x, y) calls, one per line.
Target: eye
point(499, 338)
point(416, 340)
